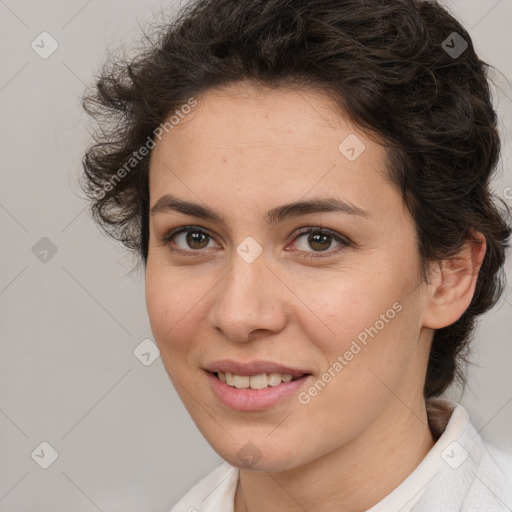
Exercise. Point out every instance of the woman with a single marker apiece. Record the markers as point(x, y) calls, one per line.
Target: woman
point(307, 186)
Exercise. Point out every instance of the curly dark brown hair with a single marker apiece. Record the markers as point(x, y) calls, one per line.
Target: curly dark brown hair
point(393, 68)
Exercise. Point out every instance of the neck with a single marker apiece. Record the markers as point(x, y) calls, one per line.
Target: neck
point(353, 477)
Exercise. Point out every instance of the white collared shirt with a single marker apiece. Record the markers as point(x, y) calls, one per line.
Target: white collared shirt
point(460, 473)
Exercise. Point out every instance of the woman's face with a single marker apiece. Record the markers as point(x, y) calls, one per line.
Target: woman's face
point(343, 304)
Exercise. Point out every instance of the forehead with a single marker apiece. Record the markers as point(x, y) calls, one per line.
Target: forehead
point(261, 142)
point(245, 114)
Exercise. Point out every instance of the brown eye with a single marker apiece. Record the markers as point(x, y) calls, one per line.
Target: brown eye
point(196, 239)
point(189, 239)
point(320, 240)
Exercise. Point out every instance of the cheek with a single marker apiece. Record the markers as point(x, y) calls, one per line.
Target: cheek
point(354, 386)
point(365, 329)
point(170, 311)
point(157, 303)
point(342, 309)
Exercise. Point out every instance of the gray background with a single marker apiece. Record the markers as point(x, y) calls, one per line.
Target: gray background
point(70, 324)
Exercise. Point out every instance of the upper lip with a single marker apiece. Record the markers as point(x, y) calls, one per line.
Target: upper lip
point(253, 368)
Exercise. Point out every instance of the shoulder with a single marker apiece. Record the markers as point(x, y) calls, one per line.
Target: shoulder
point(216, 491)
point(489, 473)
point(492, 483)
point(473, 475)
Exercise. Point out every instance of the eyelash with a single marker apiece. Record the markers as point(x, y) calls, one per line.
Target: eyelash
point(167, 237)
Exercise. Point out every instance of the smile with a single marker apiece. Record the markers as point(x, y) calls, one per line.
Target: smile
point(254, 392)
point(260, 381)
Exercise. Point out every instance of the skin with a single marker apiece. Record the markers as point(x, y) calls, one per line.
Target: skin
point(243, 151)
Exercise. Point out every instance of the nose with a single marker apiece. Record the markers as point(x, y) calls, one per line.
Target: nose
point(248, 302)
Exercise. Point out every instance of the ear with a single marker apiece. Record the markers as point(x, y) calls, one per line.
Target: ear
point(453, 282)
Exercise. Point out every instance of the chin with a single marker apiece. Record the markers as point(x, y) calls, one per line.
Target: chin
point(250, 457)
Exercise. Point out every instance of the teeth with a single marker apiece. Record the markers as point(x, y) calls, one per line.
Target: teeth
point(261, 381)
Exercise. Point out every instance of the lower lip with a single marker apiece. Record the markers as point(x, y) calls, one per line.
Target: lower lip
point(253, 399)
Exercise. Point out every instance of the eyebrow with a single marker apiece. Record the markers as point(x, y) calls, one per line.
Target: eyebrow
point(170, 203)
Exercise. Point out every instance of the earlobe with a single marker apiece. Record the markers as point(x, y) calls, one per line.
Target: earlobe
point(453, 283)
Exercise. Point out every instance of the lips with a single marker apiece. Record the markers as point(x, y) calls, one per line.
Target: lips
point(254, 368)
point(245, 400)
